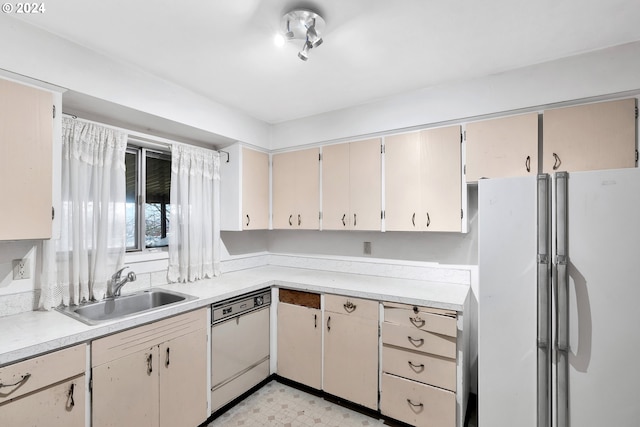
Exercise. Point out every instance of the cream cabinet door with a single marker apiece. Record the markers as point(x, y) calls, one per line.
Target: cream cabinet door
point(336, 214)
point(300, 344)
point(183, 381)
point(502, 147)
point(125, 391)
point(402, 182)
point(590, 137)
point(365, 184)
point(59, 405)
point(351, 358)
point(441, 180)
point(255, 190)
point(296, 190)
point(26, 162)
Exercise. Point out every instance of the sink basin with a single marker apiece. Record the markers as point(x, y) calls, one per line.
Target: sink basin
point(124, 306)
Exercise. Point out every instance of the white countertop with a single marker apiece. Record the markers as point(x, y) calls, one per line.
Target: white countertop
point(28, 334)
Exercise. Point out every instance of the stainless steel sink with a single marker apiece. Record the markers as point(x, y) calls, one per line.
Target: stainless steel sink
point(124, 306)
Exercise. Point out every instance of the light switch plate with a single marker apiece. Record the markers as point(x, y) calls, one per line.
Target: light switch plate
point(21, 269)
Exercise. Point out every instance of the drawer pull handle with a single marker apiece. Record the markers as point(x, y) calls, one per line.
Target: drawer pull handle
point(315, 321)
point(20, 381)
point(149, 364)
point(417, 321)
point(417, 405)
point(344, 224)
point(329, 323)
point(349, 307)
point(416, 367)
point(70, 402)
point(413, 341)
point(290, 218)
point(168, 351)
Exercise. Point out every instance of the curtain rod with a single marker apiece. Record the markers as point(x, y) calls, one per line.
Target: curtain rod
point(143, 138)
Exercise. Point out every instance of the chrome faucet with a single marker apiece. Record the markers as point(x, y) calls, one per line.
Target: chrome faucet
point(117, 282)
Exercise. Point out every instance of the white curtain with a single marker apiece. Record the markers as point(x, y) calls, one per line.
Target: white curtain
point(78, 266)
point(194, 225)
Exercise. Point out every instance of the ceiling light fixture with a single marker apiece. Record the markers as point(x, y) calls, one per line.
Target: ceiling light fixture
point(302, 24)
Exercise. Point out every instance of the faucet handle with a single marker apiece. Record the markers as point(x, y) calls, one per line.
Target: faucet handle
point(117, 274)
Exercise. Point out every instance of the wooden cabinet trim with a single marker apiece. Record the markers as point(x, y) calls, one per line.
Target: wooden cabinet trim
point(302, 298)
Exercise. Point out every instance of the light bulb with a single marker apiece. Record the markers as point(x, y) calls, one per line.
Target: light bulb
point(278, 40)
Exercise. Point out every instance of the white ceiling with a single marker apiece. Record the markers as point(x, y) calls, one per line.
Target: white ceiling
point(372, 48)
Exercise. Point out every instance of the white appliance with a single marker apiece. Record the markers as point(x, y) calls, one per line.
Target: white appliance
point(559, 300)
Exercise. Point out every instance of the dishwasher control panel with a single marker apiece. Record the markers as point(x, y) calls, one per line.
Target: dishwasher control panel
point(242, 304)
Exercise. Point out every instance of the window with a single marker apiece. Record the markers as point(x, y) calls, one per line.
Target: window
point(148, 191)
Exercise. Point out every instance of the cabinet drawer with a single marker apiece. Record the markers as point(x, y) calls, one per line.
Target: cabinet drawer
point(352, 306)
point(417, 404)
point(423, 367)
point(42, 371)
point(419, 340)
point(143, 337)
point(427, 319)
point(59, 405)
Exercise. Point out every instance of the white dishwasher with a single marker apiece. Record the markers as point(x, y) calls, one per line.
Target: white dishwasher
point(239, 345)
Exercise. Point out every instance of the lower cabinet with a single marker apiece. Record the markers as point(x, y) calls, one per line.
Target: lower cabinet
point(351, 349)
point(419, 366)
point(47, 390)
point(300, 337)
point(153, 375)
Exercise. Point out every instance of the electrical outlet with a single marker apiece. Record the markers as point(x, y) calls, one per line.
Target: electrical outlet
point(21, 269)
point(367, 248)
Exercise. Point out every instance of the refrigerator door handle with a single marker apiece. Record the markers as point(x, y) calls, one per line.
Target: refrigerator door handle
point(562, 301)
point(544, 304)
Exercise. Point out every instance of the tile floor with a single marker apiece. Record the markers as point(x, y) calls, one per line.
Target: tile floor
point(277, 404)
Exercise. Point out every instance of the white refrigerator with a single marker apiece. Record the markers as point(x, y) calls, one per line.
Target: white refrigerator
point(559, 300)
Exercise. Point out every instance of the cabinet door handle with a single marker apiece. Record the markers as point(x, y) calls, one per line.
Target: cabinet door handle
point(556, 162)
point(417, 405)
point(299, 220)
point(354, 220)
point(315, 321)
point(248, 220)
point(414, 366)
point(417, 321)
point(527, 163)
point(428, 220)
point(168, 360)
point(344, 223)
point(70, 402)
point(290, 218)
point(413, 341)
point(413, 219)
point(149, 364)
point(329, 323)
point(349, 307)
point(20, 381)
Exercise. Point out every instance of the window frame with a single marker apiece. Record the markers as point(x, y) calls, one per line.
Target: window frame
point(142, 153)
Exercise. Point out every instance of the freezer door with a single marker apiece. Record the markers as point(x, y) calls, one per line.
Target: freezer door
point(507, 312)
point(603, 231)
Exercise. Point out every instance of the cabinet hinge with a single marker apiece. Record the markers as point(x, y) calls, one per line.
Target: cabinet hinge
point(54, 112)
point(460, 137)
point(382, 214)
point(464, 169)
point(636, 157)
point(461, 213)
point(320, 216)
point(53, 210)
point(636, 111)
point(382, 149)
point(319, 157)
point(91, 384)
point(465, 135)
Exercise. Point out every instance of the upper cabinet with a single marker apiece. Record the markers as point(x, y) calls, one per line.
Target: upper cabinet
point(351, 186)
point(26, 161)
point(244, 190)
point(296, 190)
point(503, 147)
point(423, 188)
point(590, 137)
